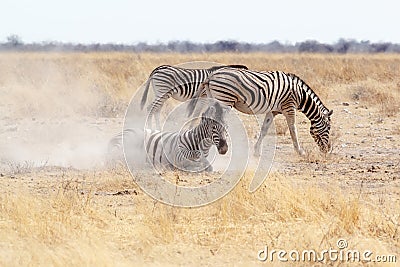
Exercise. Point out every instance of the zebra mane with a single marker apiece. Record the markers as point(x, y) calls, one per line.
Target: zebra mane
point(228, 66)
point(310, 92)
point(159, 68)
point(212, 69)
point(219, 113)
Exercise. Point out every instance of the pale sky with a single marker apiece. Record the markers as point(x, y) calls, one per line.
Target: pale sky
point(130, 22)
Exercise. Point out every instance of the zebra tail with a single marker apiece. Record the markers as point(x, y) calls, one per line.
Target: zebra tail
point(146, 91)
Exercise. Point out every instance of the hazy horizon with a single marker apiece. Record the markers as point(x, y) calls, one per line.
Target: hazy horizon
point(153, 22)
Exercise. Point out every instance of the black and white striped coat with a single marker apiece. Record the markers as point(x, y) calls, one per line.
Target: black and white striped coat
point(186, 150)
point(179, 83)
point(270, 93)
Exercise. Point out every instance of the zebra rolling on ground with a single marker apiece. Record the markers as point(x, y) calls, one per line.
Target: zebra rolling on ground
point(270, 93)
point(178, 83)
point(186, 150)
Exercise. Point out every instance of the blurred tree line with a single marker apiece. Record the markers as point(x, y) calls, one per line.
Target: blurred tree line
point(15, 43)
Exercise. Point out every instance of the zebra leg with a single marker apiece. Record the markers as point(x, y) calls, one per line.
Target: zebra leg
point(207, 165)
point(156, 106)
point(157, 116)
point(149, 119)
point(291, 121)
point(269, 117)
point(154, 111)
point(193, 165)
point(201, 166)
point(189, 165)
point(185, 159)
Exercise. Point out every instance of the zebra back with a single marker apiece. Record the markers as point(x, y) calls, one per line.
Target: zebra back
point(168, 149)
point(182, 80)
point(235, 66)
point(255, 92)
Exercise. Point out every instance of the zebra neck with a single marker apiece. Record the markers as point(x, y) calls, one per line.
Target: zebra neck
point(310, 104)
point(201, 136)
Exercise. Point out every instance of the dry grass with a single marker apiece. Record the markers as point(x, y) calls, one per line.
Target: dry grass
point(385, 96)
point(111, 78)
point(78, 226)
point(101, 218)
point(56, 230)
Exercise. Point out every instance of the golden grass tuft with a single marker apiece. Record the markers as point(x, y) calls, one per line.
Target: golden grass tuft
point(74, 228)
point(116, 76)
point(349, 215)
point(385, 96)
point(63, 229)
point(101, 218)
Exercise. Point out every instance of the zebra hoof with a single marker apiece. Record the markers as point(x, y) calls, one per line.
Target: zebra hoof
point(301, 152)
point(209, 168)
point(257, 151)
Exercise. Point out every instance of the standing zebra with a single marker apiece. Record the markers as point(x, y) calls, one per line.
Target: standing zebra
point(178, 83)
point(187, 150)
point(273, 93)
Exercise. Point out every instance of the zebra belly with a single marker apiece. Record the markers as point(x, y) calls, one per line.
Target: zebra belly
point(181, 98)
point(160, 149)
point(245, 108)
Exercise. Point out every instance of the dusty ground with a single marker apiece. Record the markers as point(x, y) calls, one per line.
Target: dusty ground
point(62, 205)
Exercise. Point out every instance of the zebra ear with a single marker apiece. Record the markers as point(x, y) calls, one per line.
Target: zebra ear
point(211, 111)
point(226, 109)
point(328, 114)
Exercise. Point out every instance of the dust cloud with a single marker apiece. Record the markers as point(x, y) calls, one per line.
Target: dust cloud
point(51, 114)
point(58, 112)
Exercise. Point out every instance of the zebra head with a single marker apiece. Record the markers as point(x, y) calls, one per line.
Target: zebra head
point(319, 130)
point(213, 119)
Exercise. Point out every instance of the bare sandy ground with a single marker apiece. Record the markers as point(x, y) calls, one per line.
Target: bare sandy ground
point(57, 159)
point(366, 148)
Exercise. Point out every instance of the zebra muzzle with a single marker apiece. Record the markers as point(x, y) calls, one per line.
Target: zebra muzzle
point(222, 147)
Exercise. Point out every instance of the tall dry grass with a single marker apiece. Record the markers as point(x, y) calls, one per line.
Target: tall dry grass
point(79, 224)
point(104, 219)
point(56, 230)
point(112, 78)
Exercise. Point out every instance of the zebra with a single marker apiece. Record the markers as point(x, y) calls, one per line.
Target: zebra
point(187, 150)
point(178, 83)
point(270, 93)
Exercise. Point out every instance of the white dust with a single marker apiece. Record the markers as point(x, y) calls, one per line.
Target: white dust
point(52, 116)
